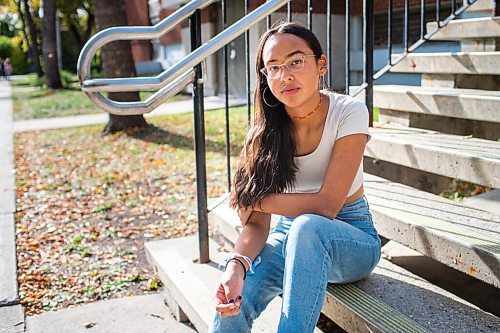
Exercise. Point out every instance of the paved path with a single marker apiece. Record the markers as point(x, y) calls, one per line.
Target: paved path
point(185, 106)
point(11, 314)
point(137, 314)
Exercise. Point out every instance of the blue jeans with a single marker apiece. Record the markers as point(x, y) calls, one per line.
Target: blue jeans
point(300, 257)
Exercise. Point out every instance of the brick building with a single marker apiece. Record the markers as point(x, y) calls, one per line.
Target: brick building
point(176, 44)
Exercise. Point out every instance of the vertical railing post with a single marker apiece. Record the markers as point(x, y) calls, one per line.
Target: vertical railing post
point(199, 143)
point(226, 95)
point(368, 55)
point(347, 46)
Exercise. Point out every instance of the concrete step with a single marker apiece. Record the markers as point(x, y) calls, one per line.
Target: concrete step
point(473, 104)
point(391, 299)
point(474, 28)
point(483, 63)
point(470, 159)
point(192, 286)
point(464, 238)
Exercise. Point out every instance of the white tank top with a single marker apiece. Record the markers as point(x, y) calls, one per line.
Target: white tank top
point(346, 115)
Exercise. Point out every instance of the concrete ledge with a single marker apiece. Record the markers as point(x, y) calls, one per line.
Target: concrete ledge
point(8, 267)
point(484, 63)
point(192, 285)
point(458, 103)
point(469, 159)
point(11, 319)
point(489, 201)
point(463, 238)
point(392, 299)
point(474, 28)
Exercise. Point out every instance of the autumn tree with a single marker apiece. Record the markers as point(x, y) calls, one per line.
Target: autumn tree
point(49, 45)
point(78, 18)
point(30, 33)
point(117, 62)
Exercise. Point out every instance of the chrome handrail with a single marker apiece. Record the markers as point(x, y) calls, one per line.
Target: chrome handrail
point(170, 81)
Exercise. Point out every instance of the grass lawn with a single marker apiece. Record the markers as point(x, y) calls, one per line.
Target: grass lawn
point(34, 101)
point(86, 204)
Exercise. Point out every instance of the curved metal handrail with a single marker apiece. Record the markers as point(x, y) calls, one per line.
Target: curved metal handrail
point(170, 81)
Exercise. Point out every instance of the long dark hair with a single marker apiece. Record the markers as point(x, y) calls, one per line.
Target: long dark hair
point(266, 163)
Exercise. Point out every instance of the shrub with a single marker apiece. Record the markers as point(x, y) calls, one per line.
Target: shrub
point(5, 47)
point(19, 59)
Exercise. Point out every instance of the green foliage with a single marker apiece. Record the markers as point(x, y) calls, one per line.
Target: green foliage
point(5, 47)
point(70, 51)
point(68, 79)
point(19, 58)
point(31, 80)
point(8, 25)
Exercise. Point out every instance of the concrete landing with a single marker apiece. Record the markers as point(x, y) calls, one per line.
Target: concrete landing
point(125, 315)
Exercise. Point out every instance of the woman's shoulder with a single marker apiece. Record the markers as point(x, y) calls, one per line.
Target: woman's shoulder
point(340, 103)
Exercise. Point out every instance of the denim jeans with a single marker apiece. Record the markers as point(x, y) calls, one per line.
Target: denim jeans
point(300, 257)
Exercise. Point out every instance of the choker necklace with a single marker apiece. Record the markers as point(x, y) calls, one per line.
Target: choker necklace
point(310, 113)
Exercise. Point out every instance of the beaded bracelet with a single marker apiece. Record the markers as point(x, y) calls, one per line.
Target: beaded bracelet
point(241, 263)
point(248, 261)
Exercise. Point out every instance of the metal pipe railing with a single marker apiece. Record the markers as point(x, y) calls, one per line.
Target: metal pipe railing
point(199, 144)
point(94, 88)
point(441, 23)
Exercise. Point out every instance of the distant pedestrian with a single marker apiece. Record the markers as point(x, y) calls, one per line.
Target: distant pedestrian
point(7, 68)
point(2, 70)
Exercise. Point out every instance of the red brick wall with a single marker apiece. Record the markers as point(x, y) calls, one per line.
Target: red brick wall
point(174, 35)
point(338, 6)
point(318, 6)
point(138, 14)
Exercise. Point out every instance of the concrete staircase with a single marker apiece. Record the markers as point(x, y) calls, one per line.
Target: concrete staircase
point(450, 127)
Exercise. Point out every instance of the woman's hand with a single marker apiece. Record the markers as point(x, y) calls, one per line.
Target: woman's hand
point(244, 213)
point(228, 294)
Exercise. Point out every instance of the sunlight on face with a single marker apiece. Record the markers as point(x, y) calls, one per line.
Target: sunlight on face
point(291, 87)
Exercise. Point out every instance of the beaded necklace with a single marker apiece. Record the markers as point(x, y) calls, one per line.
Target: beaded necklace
point(310, 113)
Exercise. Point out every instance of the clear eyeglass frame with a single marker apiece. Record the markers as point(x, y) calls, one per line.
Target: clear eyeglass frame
point(288, 64)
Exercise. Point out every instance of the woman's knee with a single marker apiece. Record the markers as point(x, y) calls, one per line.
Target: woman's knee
point(307, 226)
point(306, 230)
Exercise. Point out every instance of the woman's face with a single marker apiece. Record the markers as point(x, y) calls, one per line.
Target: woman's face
point(293, 86)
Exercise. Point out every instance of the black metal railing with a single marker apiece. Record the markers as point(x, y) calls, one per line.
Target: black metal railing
point(411, 38)
point(404, 26)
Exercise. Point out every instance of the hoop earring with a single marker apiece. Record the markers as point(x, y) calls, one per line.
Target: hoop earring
point(322, 83)
point(264, 99)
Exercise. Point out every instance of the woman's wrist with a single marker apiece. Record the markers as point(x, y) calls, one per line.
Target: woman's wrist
point(235, 267)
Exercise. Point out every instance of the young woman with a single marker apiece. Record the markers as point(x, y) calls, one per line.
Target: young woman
point(302, 160)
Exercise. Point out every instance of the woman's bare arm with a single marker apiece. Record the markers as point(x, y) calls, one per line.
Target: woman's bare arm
point(254, 235)
point(343, 166)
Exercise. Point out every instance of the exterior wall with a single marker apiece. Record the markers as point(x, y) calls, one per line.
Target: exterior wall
point(207, 32)
point(174, 35)
point(173, 50)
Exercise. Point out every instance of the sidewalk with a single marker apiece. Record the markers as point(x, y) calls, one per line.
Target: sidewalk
point(11, 313)
point(186, 106)
point(146, 313)
point(139, 314)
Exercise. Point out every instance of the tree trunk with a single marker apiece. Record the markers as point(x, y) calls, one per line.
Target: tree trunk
point(117, 62)
point(49, 45)
point(34, 39)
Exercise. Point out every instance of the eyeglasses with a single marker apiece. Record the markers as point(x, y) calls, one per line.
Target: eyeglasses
point(293, 64)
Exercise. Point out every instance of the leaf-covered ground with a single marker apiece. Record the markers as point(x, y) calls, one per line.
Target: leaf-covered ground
point(86, 204)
